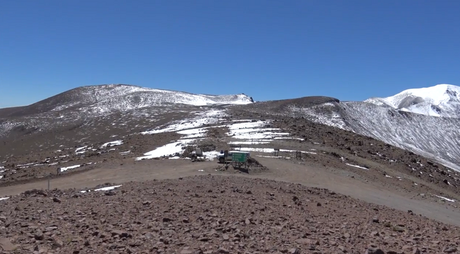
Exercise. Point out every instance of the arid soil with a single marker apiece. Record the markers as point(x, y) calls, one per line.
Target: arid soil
point(379, 198)
point(213, 214)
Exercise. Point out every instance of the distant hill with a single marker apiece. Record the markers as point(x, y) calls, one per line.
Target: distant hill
point(425, 121)
point(440, 100)
point(103, 99)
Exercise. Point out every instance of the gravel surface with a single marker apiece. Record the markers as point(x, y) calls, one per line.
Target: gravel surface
point(213, 214)
point(223, 213)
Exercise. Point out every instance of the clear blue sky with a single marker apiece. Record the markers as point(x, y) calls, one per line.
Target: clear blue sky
point(348, 49)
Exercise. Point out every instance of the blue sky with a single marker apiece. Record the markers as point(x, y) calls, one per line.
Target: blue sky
point(351, 50)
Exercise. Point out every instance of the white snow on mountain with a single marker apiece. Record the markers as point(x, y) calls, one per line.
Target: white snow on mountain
point(112, 143)
point(84, 106)
point(441, 100)
point(108, 188)
point(243, 132)
point(212, 116)
point(108, 98)
point(432, 137)
point(425, 121)
point(63, 169)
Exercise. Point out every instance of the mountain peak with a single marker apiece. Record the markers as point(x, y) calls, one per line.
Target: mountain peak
point(441, 100)
point(109, 98)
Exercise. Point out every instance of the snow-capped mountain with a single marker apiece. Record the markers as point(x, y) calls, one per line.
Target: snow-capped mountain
point(432, 137)
point(405, 120)
point(391, 121)
point(91, 105)
point(105, 99)
point(441, 100)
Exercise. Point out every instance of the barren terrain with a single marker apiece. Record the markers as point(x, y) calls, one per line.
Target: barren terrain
point(319, 189)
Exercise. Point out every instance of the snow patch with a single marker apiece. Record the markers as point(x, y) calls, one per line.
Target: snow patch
point(356, 166)
point(125, 152)
point(112, 143)
point(254, 130)
point(190, 128)
point(268, 156)
point(208, 117)
point(446, 199)
point(103, 188)
point(211, 155)
point(166, 150)
point(80, 150)
point(194, 133)
point(63, 169)
point(271, 150)
point(248, 142)
point(290, 138)
point(108, 188)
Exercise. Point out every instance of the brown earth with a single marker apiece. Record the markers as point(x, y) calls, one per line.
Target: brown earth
point(341, 225)
point(273, 209)
point(214, 214)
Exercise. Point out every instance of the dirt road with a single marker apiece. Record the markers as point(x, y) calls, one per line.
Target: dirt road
point(336, 180)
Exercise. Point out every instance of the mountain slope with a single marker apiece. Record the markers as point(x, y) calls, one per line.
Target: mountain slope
point(106, 104)
point(105, 99)
point(441, 100)
point(432, 137)
point(437, 138)
point(385, 119)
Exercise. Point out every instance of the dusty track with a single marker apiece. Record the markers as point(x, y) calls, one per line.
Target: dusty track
point(282, 170)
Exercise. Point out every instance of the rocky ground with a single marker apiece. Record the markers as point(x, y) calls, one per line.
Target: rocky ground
point(213, 214)
point(335, 148)
point(39, 155)
point(219, 211)
point(338, 147)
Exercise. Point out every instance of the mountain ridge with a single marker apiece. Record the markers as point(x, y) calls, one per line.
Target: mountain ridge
point(432, 137)
point(436, 138)
point(113, 97)
point(442, 100)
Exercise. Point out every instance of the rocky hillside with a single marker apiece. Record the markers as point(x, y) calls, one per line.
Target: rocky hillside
point(433, 137)
point(105, 107)
point(213, 214)
point(106, 99)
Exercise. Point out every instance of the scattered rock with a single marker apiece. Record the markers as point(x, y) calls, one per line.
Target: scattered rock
point(223, 251)
point(374, 250)
point(294, 251)
point(6, 245)
point(450, 250)
point(225, 220)
point(39, 235)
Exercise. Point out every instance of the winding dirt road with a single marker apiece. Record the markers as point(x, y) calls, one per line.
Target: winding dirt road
point(338, 180)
